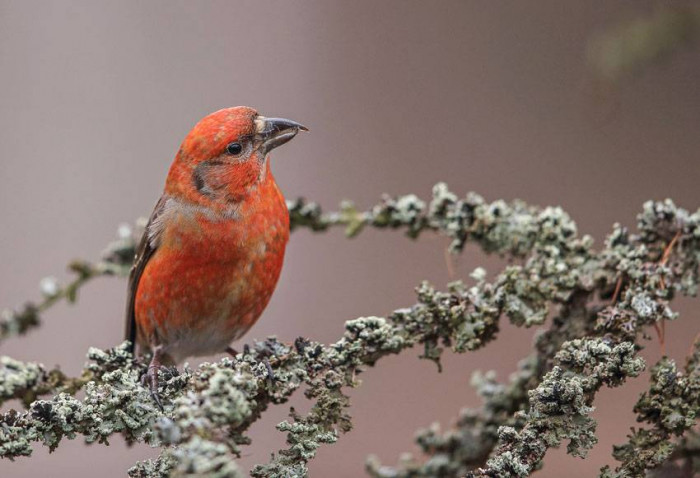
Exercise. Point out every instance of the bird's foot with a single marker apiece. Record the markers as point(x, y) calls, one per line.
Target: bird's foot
point(150, 378)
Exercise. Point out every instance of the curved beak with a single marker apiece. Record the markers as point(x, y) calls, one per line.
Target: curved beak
point(273, 132)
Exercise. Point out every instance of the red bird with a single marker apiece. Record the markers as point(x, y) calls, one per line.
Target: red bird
point(213, 248)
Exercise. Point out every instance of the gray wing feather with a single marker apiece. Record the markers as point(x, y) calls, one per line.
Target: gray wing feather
point(145, 250)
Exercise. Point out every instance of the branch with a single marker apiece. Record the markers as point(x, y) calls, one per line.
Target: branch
point(209, 409)
point(116, 261)
point(456, 218)
point(671, 407)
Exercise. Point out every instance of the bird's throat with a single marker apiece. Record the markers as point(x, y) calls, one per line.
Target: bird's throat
point(227, 181)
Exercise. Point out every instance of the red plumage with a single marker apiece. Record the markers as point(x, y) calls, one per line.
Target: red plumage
point(213, 248)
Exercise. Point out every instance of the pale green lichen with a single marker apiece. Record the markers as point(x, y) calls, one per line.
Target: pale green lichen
point(560, 406)
point(17, 378)
point(195, 458)
point(671, 407)
point(585, 346)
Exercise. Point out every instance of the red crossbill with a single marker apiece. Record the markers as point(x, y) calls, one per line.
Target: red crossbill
point(213, 248)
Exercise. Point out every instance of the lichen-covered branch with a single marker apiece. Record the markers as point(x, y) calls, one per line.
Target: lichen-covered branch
point(671, 407)
point(505, 228)
point(497, 227)
point(640, 262)
point(559, 407)
point(586, 345)
point(116, 261)
point(27, 381)
point(469, 442)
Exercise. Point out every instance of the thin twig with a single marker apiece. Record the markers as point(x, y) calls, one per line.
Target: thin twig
point(661, 330)
point(616, 294)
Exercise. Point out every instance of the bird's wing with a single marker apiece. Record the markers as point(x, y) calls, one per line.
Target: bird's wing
point(145, 250)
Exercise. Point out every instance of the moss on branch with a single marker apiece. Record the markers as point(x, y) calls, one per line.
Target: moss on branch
point(602, 302)
point(671, 407)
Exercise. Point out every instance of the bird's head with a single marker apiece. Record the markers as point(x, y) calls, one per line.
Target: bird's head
point(225, 156)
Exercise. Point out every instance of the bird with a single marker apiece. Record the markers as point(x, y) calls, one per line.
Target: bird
point(212, 251)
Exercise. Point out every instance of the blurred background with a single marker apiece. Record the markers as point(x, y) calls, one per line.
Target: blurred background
point(588, 105)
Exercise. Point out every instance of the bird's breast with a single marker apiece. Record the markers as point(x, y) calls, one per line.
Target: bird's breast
point(212, 275)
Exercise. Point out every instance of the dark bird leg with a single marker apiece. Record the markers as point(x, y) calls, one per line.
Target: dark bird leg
point(150, 378)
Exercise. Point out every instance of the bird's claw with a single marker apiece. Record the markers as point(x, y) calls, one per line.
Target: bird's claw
point(150, 380)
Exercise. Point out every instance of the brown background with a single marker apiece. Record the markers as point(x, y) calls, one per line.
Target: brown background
point(494, 97)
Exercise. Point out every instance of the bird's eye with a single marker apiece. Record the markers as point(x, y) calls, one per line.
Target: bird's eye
point(234, 148)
